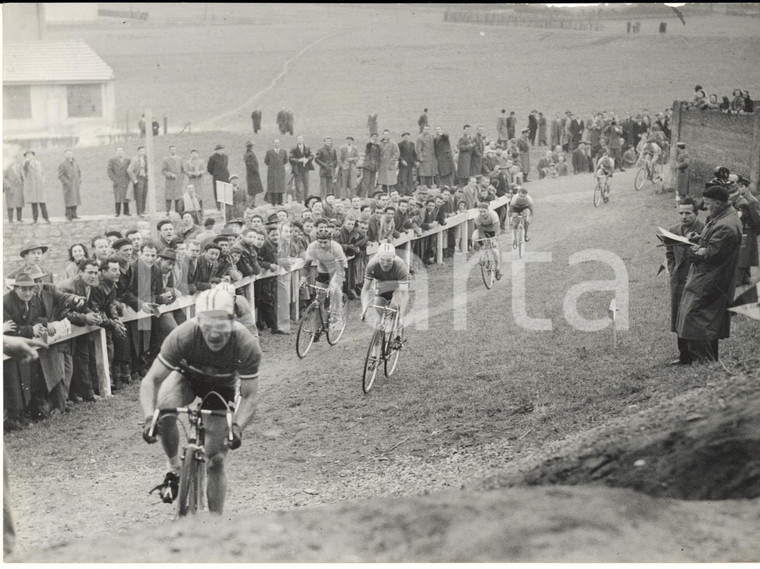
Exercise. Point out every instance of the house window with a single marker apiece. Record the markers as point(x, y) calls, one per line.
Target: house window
point(17, 102)
point(84, 101)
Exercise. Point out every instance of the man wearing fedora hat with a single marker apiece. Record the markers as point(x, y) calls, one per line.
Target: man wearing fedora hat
point(218, 168)
point(32, 254)
point(34, 186)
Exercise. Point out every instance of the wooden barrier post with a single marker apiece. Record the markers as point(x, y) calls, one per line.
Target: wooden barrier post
point(101, 363)
point(675, 135)
point(408, 253)
point(439, 248)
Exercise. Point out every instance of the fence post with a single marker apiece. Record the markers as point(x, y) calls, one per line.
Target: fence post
point(408, 253)
point(675, 135)
point(101, 363)
point(754, 164)
point(439, 248)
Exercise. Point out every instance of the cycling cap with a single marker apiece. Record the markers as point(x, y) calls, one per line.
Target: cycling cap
point(323, 233)
point(226, 287)
point(215, 300)
point(386, 250)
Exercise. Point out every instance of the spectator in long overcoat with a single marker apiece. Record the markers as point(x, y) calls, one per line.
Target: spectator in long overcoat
point(703, 318)
point(34, 186)
point(502, 132)
point(524, 147)
point(476, 166)
point(466, 146)
point(173, 172)
point(444, 158)
point(327, 160)
point(679, 262)
point(348, 169)
point(555, 131)
point(70, 176)
point(119, 175)
point(541, 129)
point(682, 170)
point(256, 119)
point(195, 170)
point(532, 127)
point(424, 149)
point(275, 159)
point(372, 122)
point(218, 168)
point(252, 174)
point(749, 211)
point(389, 153)
point(407, 160)
point(13, 188)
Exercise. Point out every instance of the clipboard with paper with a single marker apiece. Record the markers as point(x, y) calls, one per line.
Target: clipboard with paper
point(668, 238)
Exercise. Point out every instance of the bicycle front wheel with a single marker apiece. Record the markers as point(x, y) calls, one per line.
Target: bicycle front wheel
point(392, 353)
point(307, 330)
point(486, 270)
point(638, 181)
point(189, 497)
point(372, 361)
point(597, 194)
point(335, 329)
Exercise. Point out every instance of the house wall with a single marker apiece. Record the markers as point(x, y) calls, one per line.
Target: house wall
point(50, 112)
point(69, 13)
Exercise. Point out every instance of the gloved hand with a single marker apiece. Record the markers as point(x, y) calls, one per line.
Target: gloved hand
point(237, 436)
point(147, 437)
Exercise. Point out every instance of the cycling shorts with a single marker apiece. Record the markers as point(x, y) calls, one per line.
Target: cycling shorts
point(201, 385)
point(323, 278)
point(387, 296)
point(520, 208)
point(487, 234)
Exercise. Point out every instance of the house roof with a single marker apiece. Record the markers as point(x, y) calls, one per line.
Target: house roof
point(53, 62)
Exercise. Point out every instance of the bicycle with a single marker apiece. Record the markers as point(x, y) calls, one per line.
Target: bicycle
point(384, 346)
point(191, 497)
point(647, 172)
point(313, 323)
point(487, 260)
point(518, 233)
point(601, 190)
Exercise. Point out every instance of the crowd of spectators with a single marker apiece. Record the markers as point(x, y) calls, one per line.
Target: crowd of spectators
point(119, 281)
point(739, 103)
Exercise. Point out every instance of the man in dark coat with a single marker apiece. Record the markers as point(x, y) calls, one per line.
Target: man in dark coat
point(444, 158)
point(300, 159)
point(532, 127)
point(406, 163)
point(252, 174)
point(576, 131)
point(275, 159)
point(256, 120)
point(702, 315)
point(422, 122)
point(70, 176)
point(218, 168)
point(679, 263)
point(370, 165)
point(476, 166)
point(119, 175)
point(511, 125)
point(466, 146)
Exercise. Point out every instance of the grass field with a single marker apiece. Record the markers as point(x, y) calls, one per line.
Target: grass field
point(398, 60)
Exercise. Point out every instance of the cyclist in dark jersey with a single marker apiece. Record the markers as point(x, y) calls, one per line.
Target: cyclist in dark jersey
point(210, 352)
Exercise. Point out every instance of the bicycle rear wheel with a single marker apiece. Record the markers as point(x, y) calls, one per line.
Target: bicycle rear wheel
point(335, 331)
point(372, 361)
point(190, 484)
point(392, 354)
point(638, 181)
point(597, 194)
point(486, 271)
point(309, 327)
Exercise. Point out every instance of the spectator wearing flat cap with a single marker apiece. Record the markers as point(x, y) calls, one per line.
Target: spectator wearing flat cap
point(703, 318)
point(218, 168)
point(34, 186)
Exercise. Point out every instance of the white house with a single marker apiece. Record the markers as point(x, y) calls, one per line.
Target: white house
point(55, 88)
point(71, 13)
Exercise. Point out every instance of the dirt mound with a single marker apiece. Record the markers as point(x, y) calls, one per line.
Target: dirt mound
point(516, 524)
point(699, 455)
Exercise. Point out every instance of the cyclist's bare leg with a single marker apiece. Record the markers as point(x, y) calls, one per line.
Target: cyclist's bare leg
point(174, 392)
point(216, 451)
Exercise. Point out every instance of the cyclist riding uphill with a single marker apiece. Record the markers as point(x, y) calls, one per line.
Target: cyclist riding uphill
point(390, 276)
point(487, 226)
point(209, 352)
point(520, 202)
point(328, 265)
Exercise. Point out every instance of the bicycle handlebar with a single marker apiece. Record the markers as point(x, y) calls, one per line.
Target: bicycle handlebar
point(157, 413)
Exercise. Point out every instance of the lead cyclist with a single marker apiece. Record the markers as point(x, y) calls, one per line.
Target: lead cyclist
point(210, 352)
point(390, 275)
